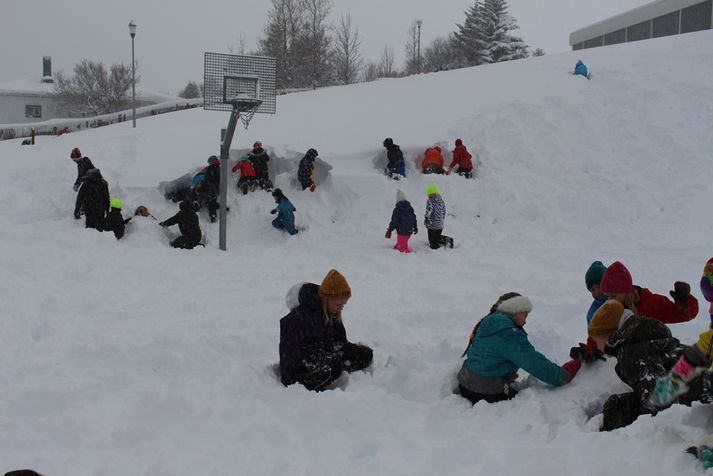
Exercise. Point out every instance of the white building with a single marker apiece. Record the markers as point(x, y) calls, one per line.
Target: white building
point(653, 20)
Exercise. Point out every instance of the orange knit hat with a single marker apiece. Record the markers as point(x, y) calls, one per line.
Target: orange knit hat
point(605, 321)
point(335, 286)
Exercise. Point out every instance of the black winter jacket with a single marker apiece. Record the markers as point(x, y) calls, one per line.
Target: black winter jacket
point(403, 219)
point(304, 171)
point(116, 223)
point(303, 331)
point(83, 165)
point(644, 349)
point(187, 222)
point(394, 156)
point(211, 183)
point(93, 198)
point(259, 159)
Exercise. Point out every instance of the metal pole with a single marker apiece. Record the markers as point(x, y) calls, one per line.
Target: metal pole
point(133, 80)
point(224, 151)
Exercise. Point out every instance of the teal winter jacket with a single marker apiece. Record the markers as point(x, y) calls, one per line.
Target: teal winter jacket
point(500, 347)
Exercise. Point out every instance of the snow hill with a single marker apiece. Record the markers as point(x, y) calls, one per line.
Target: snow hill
point(132, 358)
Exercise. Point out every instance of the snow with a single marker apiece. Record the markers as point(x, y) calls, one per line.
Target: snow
point(131, 357)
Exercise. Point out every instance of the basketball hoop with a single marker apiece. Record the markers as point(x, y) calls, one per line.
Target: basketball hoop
point(246, 107)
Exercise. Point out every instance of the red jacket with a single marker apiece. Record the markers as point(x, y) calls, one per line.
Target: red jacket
point(245, 167)
point(462, 158)
point(663, 309)
point(433, 158)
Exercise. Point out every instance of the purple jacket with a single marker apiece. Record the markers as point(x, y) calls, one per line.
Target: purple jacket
point(403, 219)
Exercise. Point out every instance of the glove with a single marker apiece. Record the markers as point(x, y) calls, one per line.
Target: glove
point(312, 187)
point(681, 292)
point(572, 367)
point(587, 353)
point(387, 235)
point(669, 387)
point(76, 187)
point(273, 211)
point(77, 215)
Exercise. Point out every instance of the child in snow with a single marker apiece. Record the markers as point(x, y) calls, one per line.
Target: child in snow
point(247, 178)
point(114, 221)
point(435, 216)
point(617, 284)
point(83, 166)
point(259, 158)
point(694, 361)
point(285, 213)
point(432, 161)
point(210, 187)
point(93, 198)
point(581, 69)
point(403, 220)
point(142, 211)
point(187, 221)
point(305, 171)
point(644, 349)
point(396, 167)
point(461, 159)
point(499, 347)
point(314, 349)
point(592, 278)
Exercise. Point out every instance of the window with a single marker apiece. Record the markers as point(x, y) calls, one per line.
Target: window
point(696, 17)
point(666, 25)
point(640, 31)
point(33, 111)
point(615, 37)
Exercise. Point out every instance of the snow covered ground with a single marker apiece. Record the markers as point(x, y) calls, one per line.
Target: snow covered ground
point(132, 358)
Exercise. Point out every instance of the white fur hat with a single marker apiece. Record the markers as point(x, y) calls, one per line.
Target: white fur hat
point(400, 196)
point(515, 304)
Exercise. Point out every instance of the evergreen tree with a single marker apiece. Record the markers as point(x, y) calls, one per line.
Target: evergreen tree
point(497, 25)
point(190, 91)
point(470, 40)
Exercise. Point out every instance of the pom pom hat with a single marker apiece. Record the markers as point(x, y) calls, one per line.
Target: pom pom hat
point(400, 196)
point(617, 280)
point(334, 286)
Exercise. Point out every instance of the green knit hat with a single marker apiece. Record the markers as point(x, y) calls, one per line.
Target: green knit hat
point(432, 190)
point(594, 274)
point(115, 203)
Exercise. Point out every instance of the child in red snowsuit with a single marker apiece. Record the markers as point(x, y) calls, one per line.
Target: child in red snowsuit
point(462, 159)
point(247, 174)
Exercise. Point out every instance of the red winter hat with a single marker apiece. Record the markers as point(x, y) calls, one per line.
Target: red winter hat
point(257, 145)
point(76, 154)
point(459, 142)
point(617, 279)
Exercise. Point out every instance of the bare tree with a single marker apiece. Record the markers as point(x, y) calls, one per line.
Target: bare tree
point(370, 72)
point(283, 24)
point(412, 49)
point(442, 54)
point(386, 65)
point(92, 90)
point(347, 59)
point(240, 48)
point(192, 90)
point(313, 46)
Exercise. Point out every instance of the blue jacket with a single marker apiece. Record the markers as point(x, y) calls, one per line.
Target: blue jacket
point(580, 68)
point(500, 348)
point(285, 216)
point(593, 308)
point(403, 219)
point(396, 160)
point(303, 331)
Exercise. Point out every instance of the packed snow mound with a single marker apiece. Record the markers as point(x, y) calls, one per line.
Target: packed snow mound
point(132, 357)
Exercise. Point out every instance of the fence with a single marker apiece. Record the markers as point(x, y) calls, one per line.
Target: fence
point(62, 126)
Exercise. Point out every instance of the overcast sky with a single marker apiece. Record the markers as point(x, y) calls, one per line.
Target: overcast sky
point(172, 35)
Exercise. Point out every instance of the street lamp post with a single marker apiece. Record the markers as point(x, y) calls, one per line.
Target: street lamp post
point(132, 32)
point(418, 55)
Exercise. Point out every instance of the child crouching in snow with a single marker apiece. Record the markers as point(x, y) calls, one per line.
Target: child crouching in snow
point(499, 347)
point(403, 220)
point(314, 349)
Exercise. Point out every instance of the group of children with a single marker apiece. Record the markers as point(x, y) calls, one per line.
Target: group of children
point(625, 321)
point(432, 163)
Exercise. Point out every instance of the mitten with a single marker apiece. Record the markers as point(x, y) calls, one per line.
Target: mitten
point(572, 367)
point(77, 216)
point(387, 235)
point(76, 187)
point(587, 352)
point(312, 187)
point(669, 387)
point(273, 211)
point(681, 292)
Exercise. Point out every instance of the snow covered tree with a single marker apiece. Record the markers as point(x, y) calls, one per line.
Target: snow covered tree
point(190, 91)
point(497, 23)
point(347, 58)
point(538, 52)
point(283, 24)
point(92, 89)
point(471, 39)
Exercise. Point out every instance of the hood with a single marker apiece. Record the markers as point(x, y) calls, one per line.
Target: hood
point(496, 323)
point(306, 294)
point(634, 329)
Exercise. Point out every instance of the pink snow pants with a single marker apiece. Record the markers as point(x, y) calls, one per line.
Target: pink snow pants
point(402, 243)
